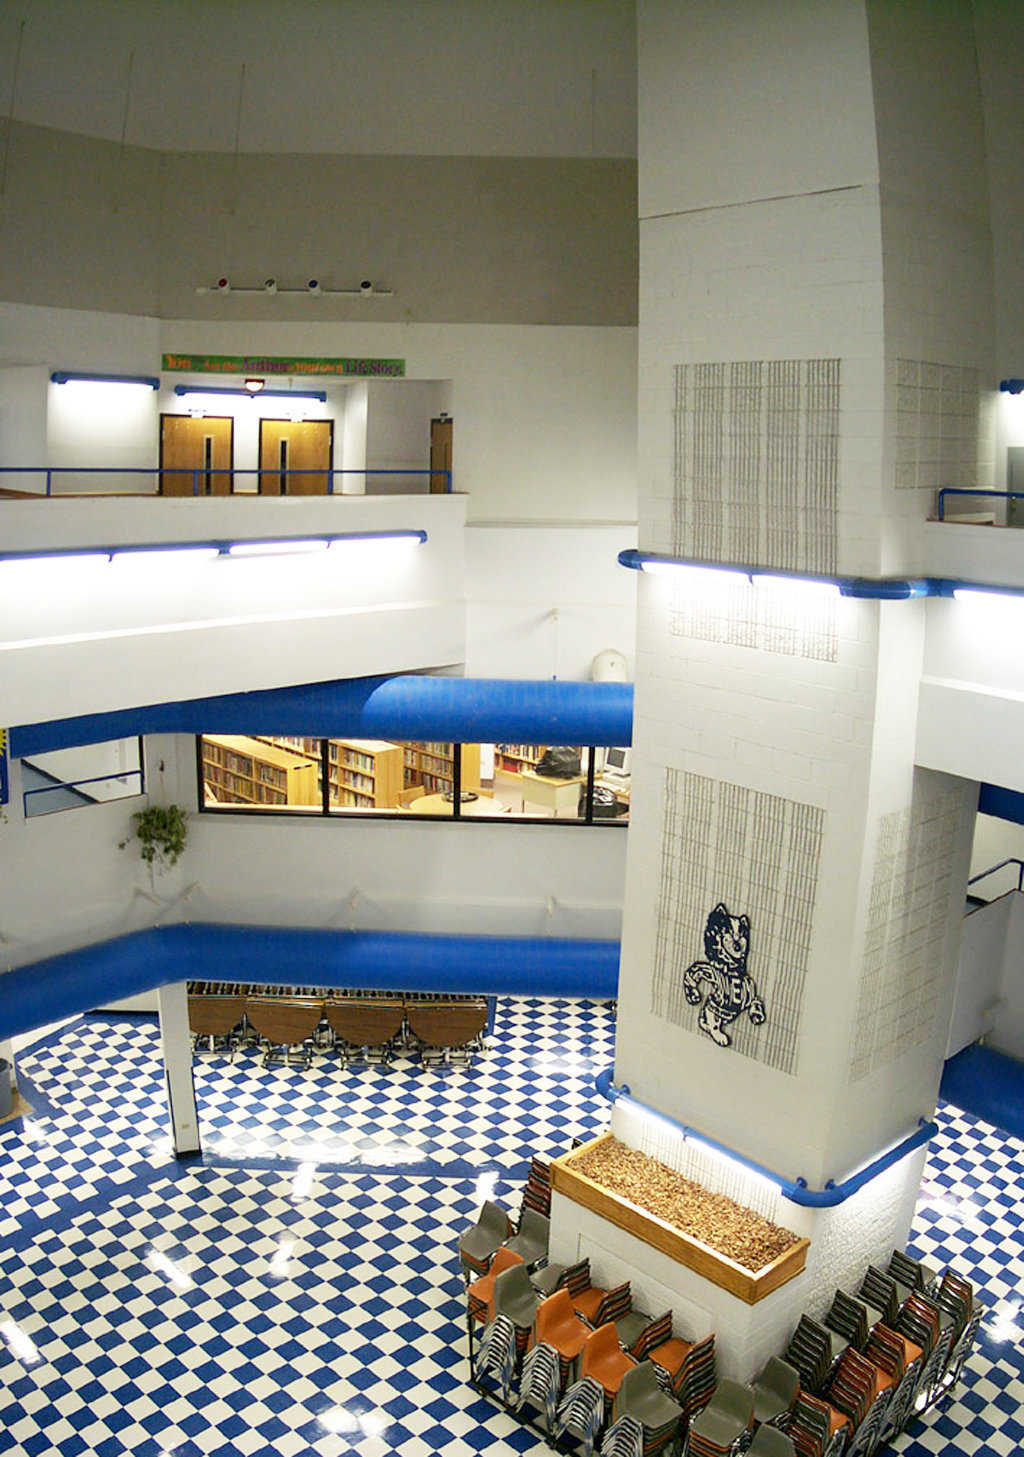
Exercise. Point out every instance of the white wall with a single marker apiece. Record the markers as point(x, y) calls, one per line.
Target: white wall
point(398, 431)
point(113, 427)
point(981, 971)
point(91, 636)
point(542, 601)
point(504, 79)
point(23, 425)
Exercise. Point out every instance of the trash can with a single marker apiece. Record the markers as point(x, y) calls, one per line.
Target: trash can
point(6, 1091)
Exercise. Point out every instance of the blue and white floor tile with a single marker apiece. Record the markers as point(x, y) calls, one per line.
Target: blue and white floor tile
point(296, 1292)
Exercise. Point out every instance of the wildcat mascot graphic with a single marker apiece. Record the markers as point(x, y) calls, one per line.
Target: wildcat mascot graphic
point(721, 982)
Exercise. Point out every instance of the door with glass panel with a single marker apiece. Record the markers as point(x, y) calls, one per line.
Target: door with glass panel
point(295, 457)
point(196, 455)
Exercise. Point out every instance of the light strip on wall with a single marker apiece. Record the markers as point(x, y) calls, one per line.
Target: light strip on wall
point(278, 548)
point(881, 589)
point(254, 547)
point(240, 392)
point(70, 376)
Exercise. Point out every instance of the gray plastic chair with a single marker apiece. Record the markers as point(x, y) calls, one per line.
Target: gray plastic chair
point(727, 1415)
point(770, 1442)
point(775, 1389)
point(640, 1396)
point(531, 1242)
point(515, 1297)
point(477, 1245)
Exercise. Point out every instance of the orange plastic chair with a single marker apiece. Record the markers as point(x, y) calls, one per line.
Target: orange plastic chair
point(605, 1360)
point(558, 1325)
point(480, 1295)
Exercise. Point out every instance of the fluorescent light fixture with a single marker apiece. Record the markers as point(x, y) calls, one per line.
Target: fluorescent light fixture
point(245, 393)
point(356, 537)
point(804, 588)
point(1011, 386)
point(278, 548)
point(976, 596)
point(70, 376)
point(163, 556)
point(58, 559)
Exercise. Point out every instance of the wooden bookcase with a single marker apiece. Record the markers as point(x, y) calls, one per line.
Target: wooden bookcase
point(364, 773)
point(433, 766)
point(514, 758)
point(241, 770)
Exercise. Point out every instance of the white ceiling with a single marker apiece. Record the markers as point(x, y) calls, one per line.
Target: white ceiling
point(414, 77)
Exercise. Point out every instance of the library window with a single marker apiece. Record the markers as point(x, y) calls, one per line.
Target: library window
point(337, 776)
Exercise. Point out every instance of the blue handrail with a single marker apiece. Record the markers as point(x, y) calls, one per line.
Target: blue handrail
point(1012, 860)
point(795, 1190)
point(965, 491)
point(60, 784)
point(203, 474)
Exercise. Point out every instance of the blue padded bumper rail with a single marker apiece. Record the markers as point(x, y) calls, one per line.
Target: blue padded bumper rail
point(408, 707)
point(795, 1190)
point(108, 971)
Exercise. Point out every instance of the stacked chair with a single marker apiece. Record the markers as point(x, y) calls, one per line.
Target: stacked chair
point(530, 1241)
point(542, 1382)
point(604, 1359)
point(537, 1194)
point(901, 1360)
point(480, 1294)
point(477, 1245)
point(810, 1351)
point(863, 1392)
point(497, 1353)
point(815, 1428)
point(920, 1321)
point(775, 1389)
point(722, 1424)
point(581, 1412)
point(641, 1399)
point(878, 1288)
point(911, 1276)
point(624, 1438)
point(771, 1442)
point(558, 1325)
point(515, 1298)
point(850, 1320)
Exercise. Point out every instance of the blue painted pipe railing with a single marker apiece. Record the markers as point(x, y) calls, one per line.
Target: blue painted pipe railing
point(972, 491)
point(795, 1190)
point(202, 475)
point(142, 961)
point(409, 707)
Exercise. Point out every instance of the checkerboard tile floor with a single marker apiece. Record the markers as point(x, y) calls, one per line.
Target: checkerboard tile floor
point(296, 1292)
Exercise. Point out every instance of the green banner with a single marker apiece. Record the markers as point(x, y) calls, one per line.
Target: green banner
point(275, 364)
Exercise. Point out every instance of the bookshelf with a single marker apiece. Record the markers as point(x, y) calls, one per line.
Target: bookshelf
point(433, 766)
point(514, 758)
point(242, 770)
point(364, 773)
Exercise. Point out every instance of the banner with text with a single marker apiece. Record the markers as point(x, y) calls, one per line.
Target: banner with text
point(276, 364)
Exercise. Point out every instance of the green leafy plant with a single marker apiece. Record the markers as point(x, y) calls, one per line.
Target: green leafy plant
point(161, 831)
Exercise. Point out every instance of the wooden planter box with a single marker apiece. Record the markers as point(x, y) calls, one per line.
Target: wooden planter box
point(747, 1285)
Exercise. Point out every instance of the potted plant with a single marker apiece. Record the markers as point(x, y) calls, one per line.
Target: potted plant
point(161, 830)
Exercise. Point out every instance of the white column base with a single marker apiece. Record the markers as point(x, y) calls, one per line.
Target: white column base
point(176, 1045)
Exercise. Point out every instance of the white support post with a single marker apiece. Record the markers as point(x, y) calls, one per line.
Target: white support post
point(176, 1045)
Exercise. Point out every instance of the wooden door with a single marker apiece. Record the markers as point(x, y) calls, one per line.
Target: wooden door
point(189, 445)
point(440, 455)
point(295, 457)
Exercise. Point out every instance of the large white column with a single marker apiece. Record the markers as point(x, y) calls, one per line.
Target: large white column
point(815, 337)
point(176, 1046)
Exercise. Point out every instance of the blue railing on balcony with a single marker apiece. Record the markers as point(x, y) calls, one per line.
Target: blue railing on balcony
point(965, 491)
point(984, 874)
point(68, 790)
point(200, 481)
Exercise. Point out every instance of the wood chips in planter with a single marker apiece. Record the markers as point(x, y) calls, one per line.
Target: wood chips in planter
point(716, 1220)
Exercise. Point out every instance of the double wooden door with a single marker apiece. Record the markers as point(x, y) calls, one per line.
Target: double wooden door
point(196, 456)
point(296, 457)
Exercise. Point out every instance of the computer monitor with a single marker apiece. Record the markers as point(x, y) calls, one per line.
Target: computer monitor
point(616, 761)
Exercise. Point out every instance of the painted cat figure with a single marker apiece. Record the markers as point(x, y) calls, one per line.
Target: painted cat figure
point(722, 982)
